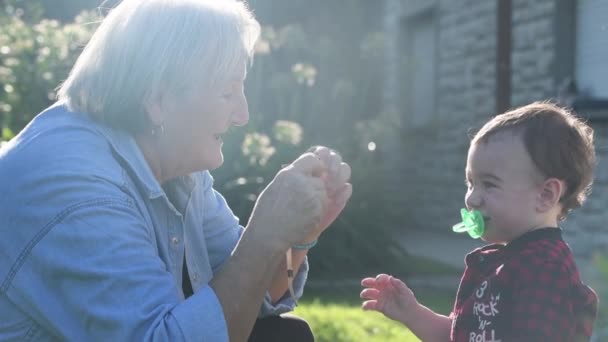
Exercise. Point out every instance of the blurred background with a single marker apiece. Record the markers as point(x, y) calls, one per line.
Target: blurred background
point(396, 86)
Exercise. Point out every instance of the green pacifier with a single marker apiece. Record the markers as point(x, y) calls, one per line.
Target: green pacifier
point(472, 223)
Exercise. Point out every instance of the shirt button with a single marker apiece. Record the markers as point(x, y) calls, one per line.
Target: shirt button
point(175, 240)
point(481, 258)
point(195, 277)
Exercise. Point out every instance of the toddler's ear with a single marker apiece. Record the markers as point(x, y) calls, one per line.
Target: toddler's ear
point(551, 193)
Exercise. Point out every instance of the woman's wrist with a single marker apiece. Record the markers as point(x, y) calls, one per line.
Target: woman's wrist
point(261, 238)
point(304, 245)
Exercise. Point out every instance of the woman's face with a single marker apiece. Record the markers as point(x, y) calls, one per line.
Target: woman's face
point(196, 126)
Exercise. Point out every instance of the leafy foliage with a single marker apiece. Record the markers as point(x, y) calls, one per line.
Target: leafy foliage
point(323, 76)
point(602, 291)
point(35, 56)
point(315, 80)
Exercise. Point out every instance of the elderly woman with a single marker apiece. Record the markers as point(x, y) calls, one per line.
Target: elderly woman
point(110, 229)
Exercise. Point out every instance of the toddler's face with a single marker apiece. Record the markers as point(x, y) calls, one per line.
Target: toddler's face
point(503, 183)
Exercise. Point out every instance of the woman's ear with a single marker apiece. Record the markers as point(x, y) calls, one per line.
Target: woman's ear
point(155, 110)
point(551, 193)
point(154, 113)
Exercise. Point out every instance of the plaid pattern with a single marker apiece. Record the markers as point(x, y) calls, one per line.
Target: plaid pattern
point(529, 290)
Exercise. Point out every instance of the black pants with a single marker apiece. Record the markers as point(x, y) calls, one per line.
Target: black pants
point(281, 328)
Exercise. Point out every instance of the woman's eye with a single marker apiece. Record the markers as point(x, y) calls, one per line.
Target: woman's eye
point(489, 185)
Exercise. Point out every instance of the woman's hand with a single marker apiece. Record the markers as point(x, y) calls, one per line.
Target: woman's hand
point(291, 207)
point(304, 198)
point(390, 296)
point(335, 177)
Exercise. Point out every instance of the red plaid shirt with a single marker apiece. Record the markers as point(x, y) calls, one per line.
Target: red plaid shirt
point(528, 290)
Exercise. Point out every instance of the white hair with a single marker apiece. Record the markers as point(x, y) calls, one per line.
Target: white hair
point(144, 48)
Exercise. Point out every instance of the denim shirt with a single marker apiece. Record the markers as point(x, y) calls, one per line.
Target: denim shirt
point(92, 247)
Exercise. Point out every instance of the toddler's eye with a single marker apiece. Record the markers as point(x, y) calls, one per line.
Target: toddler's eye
point(227, 96)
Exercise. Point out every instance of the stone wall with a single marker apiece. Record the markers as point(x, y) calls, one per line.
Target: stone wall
point(426, 176)
point(585, 228)
point(533, 52)
point(541, 59)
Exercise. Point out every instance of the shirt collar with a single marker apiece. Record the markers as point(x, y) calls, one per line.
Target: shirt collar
point(493, 251)
point(126, 151)
point(548, 233)
point(129, 152)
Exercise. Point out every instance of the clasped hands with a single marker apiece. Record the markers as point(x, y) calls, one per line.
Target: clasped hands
point(304, 198)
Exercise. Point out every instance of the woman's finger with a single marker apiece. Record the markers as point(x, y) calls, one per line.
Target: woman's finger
point(334, 163)
point(343, 195)
point(309, 164)
point(344, 173)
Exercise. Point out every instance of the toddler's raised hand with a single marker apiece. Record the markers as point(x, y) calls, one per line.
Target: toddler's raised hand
point(388, 295)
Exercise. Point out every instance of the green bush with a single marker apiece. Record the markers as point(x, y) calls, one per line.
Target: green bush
point(314, 81)
point(35, 56)
point(602, 291)
point(325, 81)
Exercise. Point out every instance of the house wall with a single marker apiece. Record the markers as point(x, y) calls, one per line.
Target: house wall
point(426, 181)
point(533, 53)
point(429, 165)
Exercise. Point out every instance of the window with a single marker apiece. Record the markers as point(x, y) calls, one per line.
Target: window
point(418, 68)
point(591, 59)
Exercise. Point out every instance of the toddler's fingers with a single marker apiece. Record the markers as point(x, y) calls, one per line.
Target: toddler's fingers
point(368, 282)
point(369, 305)
point(383, 279)
point(380, 280)
point(369, 294)
point(400, 286)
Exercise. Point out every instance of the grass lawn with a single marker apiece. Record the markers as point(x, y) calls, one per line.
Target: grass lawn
point(337, 316)
point(334, 311)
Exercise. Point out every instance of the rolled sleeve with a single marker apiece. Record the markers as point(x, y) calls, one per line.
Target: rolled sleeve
point(202, 308)
point(286, 303)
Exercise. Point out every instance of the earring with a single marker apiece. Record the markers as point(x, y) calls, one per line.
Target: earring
point(158, 130)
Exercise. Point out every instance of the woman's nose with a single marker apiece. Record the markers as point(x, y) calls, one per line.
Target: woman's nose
point(240, 116)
